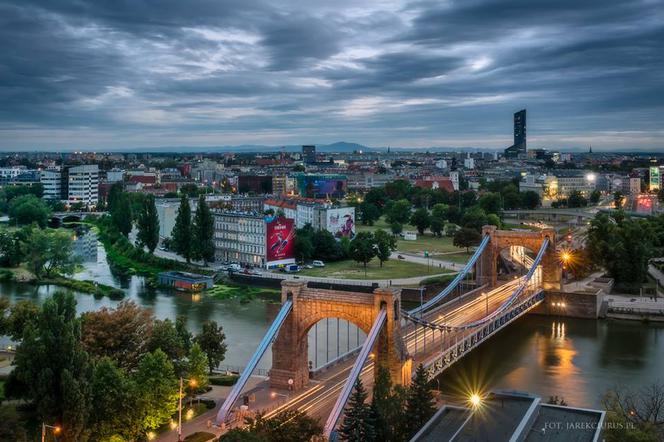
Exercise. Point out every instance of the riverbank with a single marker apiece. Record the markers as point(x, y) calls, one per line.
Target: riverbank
point(126, 259)
point(22, 275)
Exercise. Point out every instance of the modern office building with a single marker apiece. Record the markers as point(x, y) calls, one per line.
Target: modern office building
point(309, 154)
point(51, 179)
point(518, 149)
point(81, 184)
point(260, 184)
point(72, 184)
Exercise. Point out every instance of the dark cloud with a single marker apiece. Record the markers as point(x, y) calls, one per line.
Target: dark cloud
point(210, 72)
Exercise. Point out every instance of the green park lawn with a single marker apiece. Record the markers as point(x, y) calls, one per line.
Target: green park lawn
point(428, 242)
point(392, 269)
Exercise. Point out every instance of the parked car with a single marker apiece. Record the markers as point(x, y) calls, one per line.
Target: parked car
point(317, 263)
point(401, 257)
point(235, 267)
point(292, 268)
point(308, 266)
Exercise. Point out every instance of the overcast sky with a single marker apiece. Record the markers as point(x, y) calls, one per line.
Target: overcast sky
point(137, 73)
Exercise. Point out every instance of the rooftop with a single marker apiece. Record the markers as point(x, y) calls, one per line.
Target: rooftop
point(512, 416)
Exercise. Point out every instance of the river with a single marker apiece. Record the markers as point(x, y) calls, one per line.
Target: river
point(571, 358)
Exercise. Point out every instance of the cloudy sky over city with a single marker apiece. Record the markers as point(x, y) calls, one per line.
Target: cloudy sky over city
point(144, 73)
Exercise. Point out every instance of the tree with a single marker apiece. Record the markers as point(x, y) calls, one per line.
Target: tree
point(440, 211)
point(185, 335)
point(385, 245)
point(421, 219)
point(166, 338)
point(157, 389)
point(211, 340)
point(363, 248)
point(420, 405)
point(51, 363)
point(635, 415)
point(114, 194)
point(114, 395)
point(493, 220)
point(530, 200)
point(11, 253)
point(11, 428)
point(197, 366)
point(595, 196)
point(326, 247)
point(437, 226)
point(148, 225)
point(122, 216)
point(358, 423)
point(121, 334)
point(396, 228)
point(491, 202)
point(576, 199)
point(398, 211)
point(304, 247)
point(381, 404)
point(466, 237)
point(369, 213)
point(182, 232)
point(285, 426)
point(21, 314)
point(49, 252)
point(203, 232)
point(28, 209)
point(474, 218)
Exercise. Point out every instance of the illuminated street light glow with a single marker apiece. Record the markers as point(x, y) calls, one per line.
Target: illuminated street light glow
point(475, 400)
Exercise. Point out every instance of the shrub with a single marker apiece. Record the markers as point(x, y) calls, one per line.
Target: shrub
point(199, 436)
point(224, 380)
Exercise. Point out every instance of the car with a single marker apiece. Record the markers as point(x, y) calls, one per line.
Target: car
point(308, 266)
point(235, 267)
point(318, 263)
point(401, 257)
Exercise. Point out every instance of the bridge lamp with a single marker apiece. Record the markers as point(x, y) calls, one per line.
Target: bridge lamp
point(475, 400)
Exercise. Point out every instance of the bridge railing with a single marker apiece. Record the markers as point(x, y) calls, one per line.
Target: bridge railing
point(459, 277)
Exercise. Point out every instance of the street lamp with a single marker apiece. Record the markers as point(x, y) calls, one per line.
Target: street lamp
point(192, 383)
point(56, 430)
point(475, 400)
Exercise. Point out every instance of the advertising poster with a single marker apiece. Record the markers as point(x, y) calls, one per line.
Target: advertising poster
point(280, 237)
point(654, 178)
point(341, 222)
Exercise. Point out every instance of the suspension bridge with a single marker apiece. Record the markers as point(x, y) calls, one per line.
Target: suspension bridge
point(473, 307)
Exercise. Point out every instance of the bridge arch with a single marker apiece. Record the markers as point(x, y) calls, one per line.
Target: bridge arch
point(501, 239)
point(311, 305)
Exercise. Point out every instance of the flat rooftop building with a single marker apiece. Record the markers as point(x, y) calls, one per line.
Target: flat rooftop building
point(513, 416)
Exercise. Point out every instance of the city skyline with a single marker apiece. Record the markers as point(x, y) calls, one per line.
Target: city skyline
point(392, 73)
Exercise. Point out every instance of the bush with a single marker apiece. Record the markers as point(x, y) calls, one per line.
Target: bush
point(224, 380)
point(85, 286)
point(6, 275)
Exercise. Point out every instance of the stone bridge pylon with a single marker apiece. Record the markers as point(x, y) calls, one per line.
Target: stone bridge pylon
point(310, 305)
point(501, 239)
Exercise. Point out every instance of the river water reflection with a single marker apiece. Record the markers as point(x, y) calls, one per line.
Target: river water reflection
point(576, 359)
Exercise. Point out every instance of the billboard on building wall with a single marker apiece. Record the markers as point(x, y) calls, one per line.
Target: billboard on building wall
point(341, 222)
point(654, 178)
point(280, 240)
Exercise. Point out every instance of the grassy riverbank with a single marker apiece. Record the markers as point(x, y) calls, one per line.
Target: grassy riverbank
point(22, 275)
point(127, 259)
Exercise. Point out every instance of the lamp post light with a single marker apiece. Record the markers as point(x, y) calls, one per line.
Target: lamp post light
point(56, 430)
point(192, 383)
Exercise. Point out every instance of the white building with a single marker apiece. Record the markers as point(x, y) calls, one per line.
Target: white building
point(82, 183)
point(469, 163)
point(239, 237)
point(52, 181)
